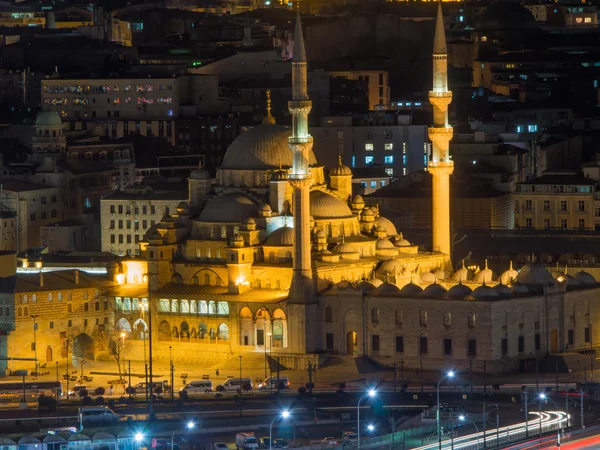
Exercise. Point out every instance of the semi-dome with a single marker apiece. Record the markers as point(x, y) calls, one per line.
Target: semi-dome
point(262, 147)
point(387, 289)
point(344, 248)
point(232, 207)
point(182, 206)
point(459, 291)
point(434, 290)
point(281, 237)
point(506, 15)
point(48, 119)
point(570, 280)
point(411, 289)
point(153, 235)
point(484, 291)
point(503, 290)
point(326, 206)
point(508, 276)
point(535, 273)
point(585, 278)
point(200, 174)
point(387, 225)
point(249, 221)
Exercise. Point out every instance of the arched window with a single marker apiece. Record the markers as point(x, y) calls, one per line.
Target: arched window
point(206, 279)
point(471, 320)
point(194, 280)
point(202, 330)
point(399, 317)
point(423, 317)
point(198, 253)
point(223, 332)
point(223, 232)
point(59, 296)
point(49, 296)
point(212, 333)
point(328, 315)
point(218, 253)
point(447, 319)
point(25, 299)
point(257, 284)
point(33, 298)
point(375, 315)
point(175, 332)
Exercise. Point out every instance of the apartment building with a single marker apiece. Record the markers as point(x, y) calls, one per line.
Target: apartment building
point(378, 85)
point(127, 215)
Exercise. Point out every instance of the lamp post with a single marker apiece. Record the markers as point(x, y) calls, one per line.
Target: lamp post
point(149, 302)
point(369, 394)
point(437, 415)
point(464, 419)
point(284, 415)
point(241, 386)
point(34, 316)
point(189, 426)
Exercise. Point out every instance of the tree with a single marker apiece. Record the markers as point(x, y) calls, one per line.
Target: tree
point(117, 344)
point(82, 347)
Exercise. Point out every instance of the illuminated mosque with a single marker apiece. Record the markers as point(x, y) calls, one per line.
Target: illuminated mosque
point(273, 254)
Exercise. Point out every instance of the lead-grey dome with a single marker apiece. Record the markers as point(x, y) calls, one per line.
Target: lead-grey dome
point(585, 278)
point(411, 289)
point(459, 291)
point(281, 237)
point(262, 147)
point(434, 290)
point(228, 208)
point(199, 174)
point(535, 273)
point(48, 119)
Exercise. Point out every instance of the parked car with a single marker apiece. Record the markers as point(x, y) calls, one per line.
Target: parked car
point(280, 443)
point(264, 442)
point(220, 446)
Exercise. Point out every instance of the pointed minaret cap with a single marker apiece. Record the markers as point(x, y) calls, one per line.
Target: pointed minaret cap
point(269, 119)
point(439, 41)
point(299, 51)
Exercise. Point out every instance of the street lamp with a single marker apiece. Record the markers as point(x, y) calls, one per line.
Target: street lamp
point(189, 426)
point(34, 316)
point(462, 418)
point(449, 374)
point(139, 437)
point(370, 393)
point(370, 427)
point(285, 414)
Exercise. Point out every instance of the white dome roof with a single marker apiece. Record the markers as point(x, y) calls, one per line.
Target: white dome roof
point(384, 244)
point(340, 170)
point(281, 237)
point(232, 207)
point(463, 274)
point(400, 241)
point(262, 147)
point(325, 206)
point(509, 275)
point(344, 248)
point(387, 225)
point(485, 275)
point(48, 119)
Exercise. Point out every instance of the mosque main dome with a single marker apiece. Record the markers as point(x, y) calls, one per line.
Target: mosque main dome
point(262, 147)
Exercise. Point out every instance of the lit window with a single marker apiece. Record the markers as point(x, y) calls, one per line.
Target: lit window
point(519, 128)
point(404, 160)
point(382, 183)
point(354, 161)
point(532, 128)
point(403, 171)
point(388, 159)
point(374, 184)
point(588, 20)
point(389, 147)
point(461, 18)
point(369, 159)
point(389, 172)
point(369, 147)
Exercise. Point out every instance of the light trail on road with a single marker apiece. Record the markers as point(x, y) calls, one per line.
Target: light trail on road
point(549, 419)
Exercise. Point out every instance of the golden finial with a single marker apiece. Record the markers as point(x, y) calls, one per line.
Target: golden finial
point(340, 159)
point(269, 119)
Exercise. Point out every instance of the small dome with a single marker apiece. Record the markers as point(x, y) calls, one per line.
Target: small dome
point(182, 206)
point(484, 291)
point(503, 290)
point(344, 248)
point(384, 244)
point(326, 206)
point(391, 266)
point(463, 274)
point(387, 225)
point(485, 275)
point(428, 277)
point(519, 288)
point(236, 238)
point(281, 237)
point(387, 289)
point(200, 174)
point(279, 175)
point(367, 212)
point(434, 290)
point(585, 278)
point(167, 218)
point(367, 286)
point(249, 221)
point(340, 171)
point(357, 200)
point(232, 207)
point(266, 208)
point(261, 148)
point(153, 235)
point(401, 242)
point(440, 274)
point(48, 119)
point(508, 276)
point(535, 273)
point(459, 291)
point(571, 280)
point(411, 289)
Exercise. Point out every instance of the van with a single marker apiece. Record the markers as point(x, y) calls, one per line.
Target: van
point(245, 440)
point(271, 383)
point(140, 388)
point(196, 388)
point(233, 384)
point(97, 415)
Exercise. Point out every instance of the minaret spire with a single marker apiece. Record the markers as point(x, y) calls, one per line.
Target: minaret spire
point(300, 178)
point(440, 165)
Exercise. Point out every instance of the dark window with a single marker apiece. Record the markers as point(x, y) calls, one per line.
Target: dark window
point(399, 344)
point(375, 341)
point(105, 306)
point(587, 334)
point(472, 347)
point(570, 337)
point(69, 324)
point(328, 315)
point(86, 307)
point(85, 322)
point(51, 325)
point(329, 339)
point(538, 341)
point(423, 345)
point(521, 344)
point(97, 306)
point(447, 346)
point(69, 308)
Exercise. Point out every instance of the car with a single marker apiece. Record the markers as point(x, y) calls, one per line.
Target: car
point(329, 441)
point(280, 443)
point(220, 446)
point(264, 442)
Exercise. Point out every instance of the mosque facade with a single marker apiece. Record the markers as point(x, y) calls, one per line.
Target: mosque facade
point(274, 254)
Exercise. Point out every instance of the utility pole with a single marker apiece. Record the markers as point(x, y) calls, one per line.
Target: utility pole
point(151, 404)
point(484, 422)
point(310, 374)
point(484, 380)
point(526, 414)
point(34, 316)
point(146, 372)
point(241, 386)
point(471, 356)
point(556, 377)
point(394, 379)
point(278, 377)
point(67, 369)
point(421, 371)
point(129, 370)
point(581, 408)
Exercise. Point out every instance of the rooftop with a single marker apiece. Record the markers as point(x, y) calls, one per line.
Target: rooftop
point(52, 281)
point(562, 178)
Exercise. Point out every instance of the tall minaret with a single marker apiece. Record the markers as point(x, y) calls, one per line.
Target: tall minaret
point(300, 178)
point(440, 166)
